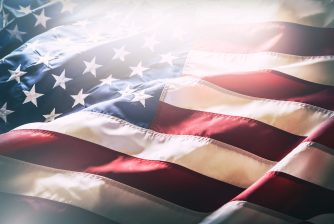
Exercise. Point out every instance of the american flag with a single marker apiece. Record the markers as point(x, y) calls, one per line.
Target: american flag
point(170, 112)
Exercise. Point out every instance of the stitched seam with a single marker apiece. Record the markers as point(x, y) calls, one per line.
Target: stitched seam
point(187, 137)
point(168, 137)
point(240, 118)
point(302, 105)
point(177, 166)
point(169, 164)
point(127, 189)
point(265, 53)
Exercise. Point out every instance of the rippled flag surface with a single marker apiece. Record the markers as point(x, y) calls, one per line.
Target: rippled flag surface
point(166, 112)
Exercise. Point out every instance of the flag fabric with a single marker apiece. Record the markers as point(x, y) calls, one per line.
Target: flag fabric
point(166, 112)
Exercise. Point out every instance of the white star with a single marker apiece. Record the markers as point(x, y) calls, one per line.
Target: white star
point(91, 67)
point(51, 116)
point(24, 10)
point(32, 46)
point(150, 42)
point(141, 96)
point(128, 91)
point(41, 19)
point(61, 80)
point(79, 98)
point(31, 96)
point(67, 5)
point(4, 112)
point(108, 80)
point(16, 33)
point(45, 60)
point(16, 74)
point(138, 70)
point(167, 58)
point(120, 53)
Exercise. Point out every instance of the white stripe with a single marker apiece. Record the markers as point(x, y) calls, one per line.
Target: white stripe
point(240, 212)
point(319, 72)
point(311, 162)
point(307, 12)
point(100, 195)
point(203, 155)
point(294, 117)
point(316, 69)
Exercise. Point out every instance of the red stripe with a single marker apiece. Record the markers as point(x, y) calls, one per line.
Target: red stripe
point(289, 195)
point(276, 85)
point(165, 180)
point(17, 209)
point(324, 134)
point(253, 136)
point(281, 37)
